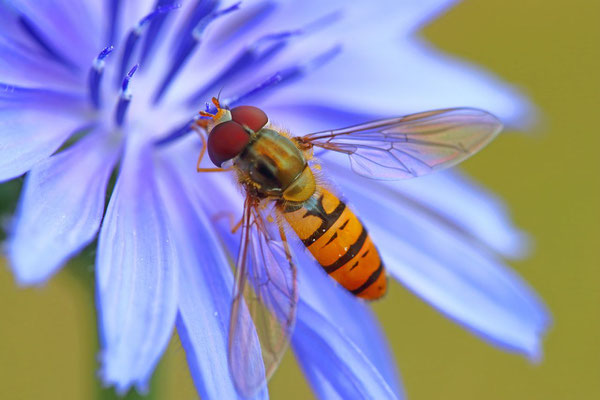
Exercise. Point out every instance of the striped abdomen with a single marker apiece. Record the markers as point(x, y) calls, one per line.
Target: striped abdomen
point(340, 243)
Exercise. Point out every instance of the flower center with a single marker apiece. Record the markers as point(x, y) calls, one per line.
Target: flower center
point(186, 39)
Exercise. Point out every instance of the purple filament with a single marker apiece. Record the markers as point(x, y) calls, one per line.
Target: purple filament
point(38, 36)
point(136, 32)
point(251, 16)
point(187, 48)
point(155, 27)
point(198, 12)
point(95, 76)
point(114, 9)
point(285, 75)
point(124, 97)
point(259, 52)
point(175, 133)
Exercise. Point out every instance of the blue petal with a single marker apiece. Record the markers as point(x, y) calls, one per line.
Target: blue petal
point(361, 18)
point(419, 13)
point(457, 201)
point(29, 136)
point(448, 269)
point(330, 311)
point(61, 208)
point(205, 283)
point(70, 28)
point(39, 97)
point(404, 75)
point(332, 361)
point(24, 66)
point(136, 271)
point(347, 319)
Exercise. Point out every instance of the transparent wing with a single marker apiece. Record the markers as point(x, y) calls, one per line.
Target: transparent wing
point(264, 303)
point(413, 145)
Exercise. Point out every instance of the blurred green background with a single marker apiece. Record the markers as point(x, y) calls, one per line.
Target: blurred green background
point(550, 179)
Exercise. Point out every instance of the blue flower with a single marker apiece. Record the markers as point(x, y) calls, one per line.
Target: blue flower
point(74, 109)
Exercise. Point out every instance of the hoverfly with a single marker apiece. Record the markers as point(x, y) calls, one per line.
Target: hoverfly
point(274, 168)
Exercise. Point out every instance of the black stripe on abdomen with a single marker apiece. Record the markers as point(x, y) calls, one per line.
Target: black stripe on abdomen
point(349, 255)
point(371, 280)
point(327, 221)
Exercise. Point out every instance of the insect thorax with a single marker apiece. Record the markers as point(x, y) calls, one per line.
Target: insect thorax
point(271, 165)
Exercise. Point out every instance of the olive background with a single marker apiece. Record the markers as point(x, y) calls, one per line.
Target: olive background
point(549, 177)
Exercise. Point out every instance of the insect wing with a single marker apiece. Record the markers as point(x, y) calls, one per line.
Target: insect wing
point(264, 304)
point(413, 145)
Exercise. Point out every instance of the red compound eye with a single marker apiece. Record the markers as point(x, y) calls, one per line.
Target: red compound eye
point(226, 141)
point(253, 117)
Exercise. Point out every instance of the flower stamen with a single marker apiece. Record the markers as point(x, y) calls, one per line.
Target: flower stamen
point(136, 32)
point(176, 133)
point(285, 75)
point(95, 76)
point(259, 53)
point(156, 24)
point(249, 18)
point(188, 47)
point(184, 35)
point(124, 97)
point(263, 49)
point(114, 8)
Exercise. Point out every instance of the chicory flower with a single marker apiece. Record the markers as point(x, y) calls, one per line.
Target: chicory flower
point(93, 88)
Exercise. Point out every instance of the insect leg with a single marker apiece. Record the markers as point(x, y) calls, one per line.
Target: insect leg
point(203, 151)
point(234, 226)
point(286, 246)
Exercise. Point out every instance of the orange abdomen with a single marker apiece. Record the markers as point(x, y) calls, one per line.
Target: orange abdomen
point(339, 242)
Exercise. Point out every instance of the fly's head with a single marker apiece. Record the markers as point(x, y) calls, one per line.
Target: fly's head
point(230, 130)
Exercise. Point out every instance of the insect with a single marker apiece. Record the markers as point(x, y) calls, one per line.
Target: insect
point(275, 168)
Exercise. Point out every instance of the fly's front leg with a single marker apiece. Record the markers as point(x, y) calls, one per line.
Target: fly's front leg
point(200, 133)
